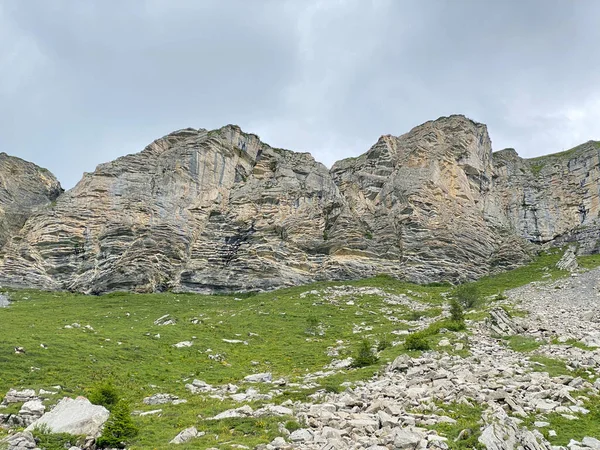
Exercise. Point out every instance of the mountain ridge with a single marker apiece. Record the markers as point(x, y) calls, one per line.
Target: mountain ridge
point(220, 210)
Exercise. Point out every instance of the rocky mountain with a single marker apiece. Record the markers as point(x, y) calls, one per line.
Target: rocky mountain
point(220, 210)
point(24, 189)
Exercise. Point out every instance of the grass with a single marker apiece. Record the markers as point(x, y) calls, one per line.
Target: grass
point(543, 267)
point(574, 343)
point(467, 417)
point(585, 425)
point(589, 261)
point(122, 346)
point(519, 343)
point(564, 154)
point(554, 367)
point(288, 333)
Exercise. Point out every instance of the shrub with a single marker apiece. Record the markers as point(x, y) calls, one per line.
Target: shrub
point(364, 355)
point(331, 386)
point(467, 295)
point(415, 315)
point(416, 341)
point(54, 441)
point(292, 425)
point(384, 342)
point(312, 325)
point(119, 428)
point(456, 311)
point(105, 394)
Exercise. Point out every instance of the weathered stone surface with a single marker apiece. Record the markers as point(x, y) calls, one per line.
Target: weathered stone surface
point(186, 435)
point(501, 323)
point(19, 441)
point(24, 190)
point(220, 210)
point(74, 416)
point(504, 433)
point(568, 260)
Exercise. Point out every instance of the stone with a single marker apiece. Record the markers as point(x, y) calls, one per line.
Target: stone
point(31, 411)
point(14, 396)
point(165, 320)
point(569, 260)
point(406, 439)
point(504, 433)
point(266, 377)
point(154, 412)
point(591, 442)
point(244, 411)
point(4, 301)
point(20, 441)
point(25, 189)
point(160, 399)
point(501, 323)
point(183, 344)
point(301, 435)
point(186, 435)
point(74, 416)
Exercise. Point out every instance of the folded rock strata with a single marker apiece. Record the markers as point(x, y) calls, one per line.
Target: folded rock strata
point(210, 211)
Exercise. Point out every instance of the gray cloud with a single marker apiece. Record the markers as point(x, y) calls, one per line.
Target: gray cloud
point(85, 82)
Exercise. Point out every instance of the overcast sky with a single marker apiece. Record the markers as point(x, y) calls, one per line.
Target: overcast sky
point(85, 81)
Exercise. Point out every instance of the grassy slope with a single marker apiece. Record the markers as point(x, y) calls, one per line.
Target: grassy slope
point(123, 345)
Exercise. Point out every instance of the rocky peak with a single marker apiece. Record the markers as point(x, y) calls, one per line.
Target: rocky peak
point(24, 189)
point(220, 210)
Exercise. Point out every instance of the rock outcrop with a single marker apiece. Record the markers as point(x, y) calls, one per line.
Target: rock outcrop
point(24, 189)
point(209, 211)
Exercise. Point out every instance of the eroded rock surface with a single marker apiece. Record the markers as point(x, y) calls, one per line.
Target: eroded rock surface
point(24, 189)
point(208, 211)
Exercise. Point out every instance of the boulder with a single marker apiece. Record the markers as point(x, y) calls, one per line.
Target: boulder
point(569, 260)
point(74, 416)
point(186, 435)
point(504, 433)
point(19, 441)
point(500, 322)
point(266, 377)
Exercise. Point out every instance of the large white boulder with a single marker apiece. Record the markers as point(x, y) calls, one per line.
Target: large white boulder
point(74, 416)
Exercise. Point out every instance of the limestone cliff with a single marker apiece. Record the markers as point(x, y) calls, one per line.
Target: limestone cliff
point(24, 188)
point(220, 210)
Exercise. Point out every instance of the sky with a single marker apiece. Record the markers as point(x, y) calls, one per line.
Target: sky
point(83, 82)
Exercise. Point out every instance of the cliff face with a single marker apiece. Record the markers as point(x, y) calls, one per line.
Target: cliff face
point(551, 195)
point(220, 210)
point(423, 197)
point(24, 188)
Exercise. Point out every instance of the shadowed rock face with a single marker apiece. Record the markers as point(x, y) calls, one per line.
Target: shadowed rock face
point(24, 188)
point(210, 211)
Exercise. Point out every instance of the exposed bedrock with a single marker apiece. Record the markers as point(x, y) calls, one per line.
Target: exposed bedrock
point(216, 211)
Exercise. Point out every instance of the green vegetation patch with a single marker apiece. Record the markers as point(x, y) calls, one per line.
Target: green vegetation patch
point(109, 348)
point(585, 425)
point(519, 343)
point(467, 418)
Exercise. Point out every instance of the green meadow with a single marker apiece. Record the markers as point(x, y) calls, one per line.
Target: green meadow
point(286, 332)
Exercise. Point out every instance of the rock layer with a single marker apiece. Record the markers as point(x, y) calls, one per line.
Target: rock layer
point(208, 211)
point(24, 189)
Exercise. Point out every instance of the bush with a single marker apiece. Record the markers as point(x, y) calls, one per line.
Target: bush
point(331, 386)
point(312, 325)
point(416, 341)
point(467, 295)
point(384, 342)
point(364, 356)
point(119, 428)
point(456, 311)
point(292, 425)
point(105, 394)
point(54, 441)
